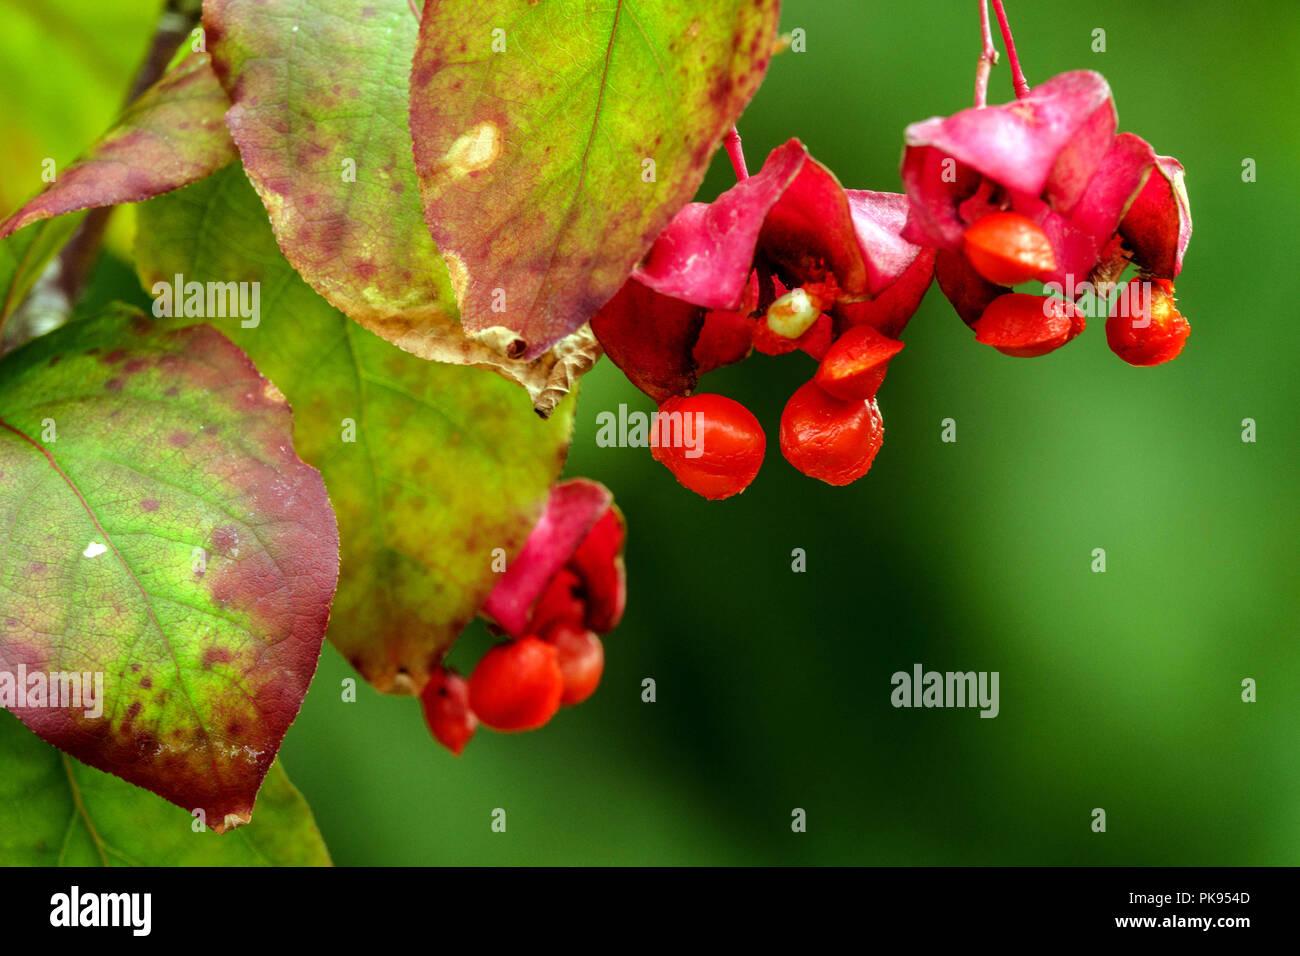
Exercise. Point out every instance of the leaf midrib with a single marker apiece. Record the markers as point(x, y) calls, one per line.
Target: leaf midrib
point(572, 207)
point(148, 602)
point(81, 811)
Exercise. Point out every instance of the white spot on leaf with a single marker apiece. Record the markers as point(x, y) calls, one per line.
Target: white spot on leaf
point(457, 273)
point(474, 150)
point(94, 549)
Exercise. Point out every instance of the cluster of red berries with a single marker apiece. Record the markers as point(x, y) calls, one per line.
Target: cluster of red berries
point(831, 428)
point(1040, 190)
point(786, 260)
point(1045, 190)
point(566, 587)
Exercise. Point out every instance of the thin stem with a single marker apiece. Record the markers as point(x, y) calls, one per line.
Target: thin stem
point(1017, 74)
point(414, 9)
point(988, 57)
point(737, 154)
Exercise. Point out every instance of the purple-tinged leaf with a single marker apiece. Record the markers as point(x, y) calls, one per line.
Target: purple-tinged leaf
point(171, 136)
point(433, 467)
point(555, 140)
point(160, 532)
point(319, 105)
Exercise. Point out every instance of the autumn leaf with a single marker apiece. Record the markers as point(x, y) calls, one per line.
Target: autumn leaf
point(56, 811)
point(172, 135)
point(555, 139)
point(66, 65)
point(160, 532)
point(319, 102)
point(432, 467)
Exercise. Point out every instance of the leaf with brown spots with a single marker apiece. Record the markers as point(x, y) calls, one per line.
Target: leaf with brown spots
point(171, 136)
point(319, 101)
point(159, 531)
point(432, 466)
point(533, 122)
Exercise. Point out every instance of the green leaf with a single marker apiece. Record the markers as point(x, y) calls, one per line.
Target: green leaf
point(319, 94)
point(56, 811)
point(24, 257)
point(448, 463)
point(172, 135)
point(534, 124)
point(159, 532)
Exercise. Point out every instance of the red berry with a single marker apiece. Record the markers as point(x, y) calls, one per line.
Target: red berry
point(1162, 331)
point(445, 702)
point(598, 563)
point(582, 660)
point(517, 685)
point(1026, 326)
point(854, 367)
point(727, 444)
point(828, 438)
point(1007, 249)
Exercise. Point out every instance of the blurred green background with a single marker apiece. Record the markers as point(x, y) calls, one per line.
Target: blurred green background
point(1118, 690)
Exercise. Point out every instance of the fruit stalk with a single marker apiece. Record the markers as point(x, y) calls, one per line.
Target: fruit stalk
point(988, 57)
point(1017, 74)
point(736, 153)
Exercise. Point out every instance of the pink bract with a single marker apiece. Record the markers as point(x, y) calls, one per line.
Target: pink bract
point(1055, 157)
point(791, 224)
point(577, 511)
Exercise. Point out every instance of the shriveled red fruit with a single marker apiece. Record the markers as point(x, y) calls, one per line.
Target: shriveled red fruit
point(828, 438)
point(559, 602)
point(598, 563)
point(854, 366)
point(727, 444)
point(445, 702)
point(1026, 326)
point(1007, 248)
point(517, 685)
point(1162, 330)
point(582, 660)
